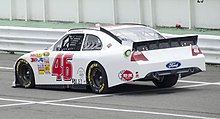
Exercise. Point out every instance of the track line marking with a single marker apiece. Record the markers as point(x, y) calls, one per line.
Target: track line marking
point(77, 98)
point(187, 81)
point(16, 100)
point(130, 111)
point(191, 86)
point(26, 102)
point(199, 82)
point(8, 68)
point(17, 104)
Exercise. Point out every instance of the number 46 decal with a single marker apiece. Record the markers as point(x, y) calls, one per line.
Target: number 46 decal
point(61, 67)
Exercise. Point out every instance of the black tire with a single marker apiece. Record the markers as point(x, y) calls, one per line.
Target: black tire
point(24, 74)
point(97, 78)
point(168, 81)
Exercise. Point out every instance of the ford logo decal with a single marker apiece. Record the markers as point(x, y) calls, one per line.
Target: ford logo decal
point(172, 65)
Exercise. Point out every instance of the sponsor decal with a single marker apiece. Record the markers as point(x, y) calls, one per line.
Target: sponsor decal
point(39, 55)
point(37, 60)
point(77, 81)
point(47, 69)
point(40, 67)
point(125, 75)
point(46, 65)
point(127, 53)
point(32, 55)
point(136, 74)
point(46, 54)
point(81, 72)
point(109, 45)
point(172, 65)
point(33, 59)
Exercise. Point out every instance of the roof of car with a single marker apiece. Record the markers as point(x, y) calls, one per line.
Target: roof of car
point(109, 27)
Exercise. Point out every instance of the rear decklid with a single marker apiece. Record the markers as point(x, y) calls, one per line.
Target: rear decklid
point(171, 49)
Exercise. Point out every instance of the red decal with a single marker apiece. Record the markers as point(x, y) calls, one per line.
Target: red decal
point(125, 75)
point(57, 69)
point(33, 55)
point(62, 68)
point(33, 59)
point(67, 67)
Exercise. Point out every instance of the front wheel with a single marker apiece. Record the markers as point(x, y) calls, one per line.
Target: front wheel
point(24, 74)
point(97, 78)
point(166, 82)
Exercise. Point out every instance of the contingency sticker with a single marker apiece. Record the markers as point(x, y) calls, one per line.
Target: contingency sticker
point(42, 62)
point(125, 75)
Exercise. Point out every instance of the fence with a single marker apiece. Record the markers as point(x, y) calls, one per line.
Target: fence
point(188, 13)
point(29, 39)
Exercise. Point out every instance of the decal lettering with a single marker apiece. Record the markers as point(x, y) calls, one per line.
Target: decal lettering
point(62, 68)
point(127, 53)
point(40, 68)
point(109, 45)
point(33, 55)
point(172, 65)
point(125, 75)
point(33, 59)
point(77, 81)
point(81, 72)
point(89, 72)
point(20, 62)
point(46, 54)
point(39, 55)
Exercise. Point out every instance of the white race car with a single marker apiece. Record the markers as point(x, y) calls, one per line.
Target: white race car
point(104, 57)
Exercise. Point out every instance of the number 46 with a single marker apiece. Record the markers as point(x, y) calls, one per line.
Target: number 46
point(64, 67)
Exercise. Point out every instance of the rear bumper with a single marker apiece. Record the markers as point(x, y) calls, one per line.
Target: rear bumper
point(184, 72)
point(149, 70)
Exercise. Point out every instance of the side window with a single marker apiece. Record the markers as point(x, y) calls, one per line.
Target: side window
point(72, 42)
point(92, 42)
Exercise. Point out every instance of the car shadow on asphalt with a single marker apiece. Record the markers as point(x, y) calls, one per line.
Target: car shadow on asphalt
point(137, 89)
point(129, 89)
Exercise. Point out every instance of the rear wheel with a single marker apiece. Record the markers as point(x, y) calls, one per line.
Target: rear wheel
point(24, 74)
point(97, 78)
point(166, 82)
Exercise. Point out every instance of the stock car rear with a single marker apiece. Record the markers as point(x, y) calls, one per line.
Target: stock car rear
point(105, 57)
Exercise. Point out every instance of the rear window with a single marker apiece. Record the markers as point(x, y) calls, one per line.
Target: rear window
point(135, 34)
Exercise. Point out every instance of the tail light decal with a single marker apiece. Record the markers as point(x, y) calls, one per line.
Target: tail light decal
point(196, 50)
point(138, 56)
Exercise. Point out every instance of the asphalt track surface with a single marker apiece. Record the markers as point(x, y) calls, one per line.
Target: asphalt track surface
point(195, 97)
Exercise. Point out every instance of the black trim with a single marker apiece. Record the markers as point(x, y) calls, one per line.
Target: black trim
point(111, 34)
point(82, 29)
point(133, 24)
point(168, 40)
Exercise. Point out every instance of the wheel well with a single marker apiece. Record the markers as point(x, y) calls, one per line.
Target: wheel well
point(21, 61)
point(87, 68)
point(17, 83)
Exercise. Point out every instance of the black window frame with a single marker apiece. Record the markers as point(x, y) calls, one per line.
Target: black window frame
point(85, 40)
point(67, 37)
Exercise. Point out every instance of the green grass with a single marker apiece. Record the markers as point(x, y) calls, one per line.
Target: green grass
point(38, 24)
point(182, 31)
point(69, 25)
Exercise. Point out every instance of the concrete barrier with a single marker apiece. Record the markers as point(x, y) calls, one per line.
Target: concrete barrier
point(30, 39)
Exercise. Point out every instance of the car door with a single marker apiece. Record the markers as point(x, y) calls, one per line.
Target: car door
point(61, 59)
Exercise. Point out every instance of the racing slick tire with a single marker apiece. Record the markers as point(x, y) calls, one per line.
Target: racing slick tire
point(24, 74)
point(166, 82)
point(97, 78)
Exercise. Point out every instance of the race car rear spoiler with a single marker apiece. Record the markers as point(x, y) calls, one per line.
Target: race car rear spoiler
point(165, 43)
